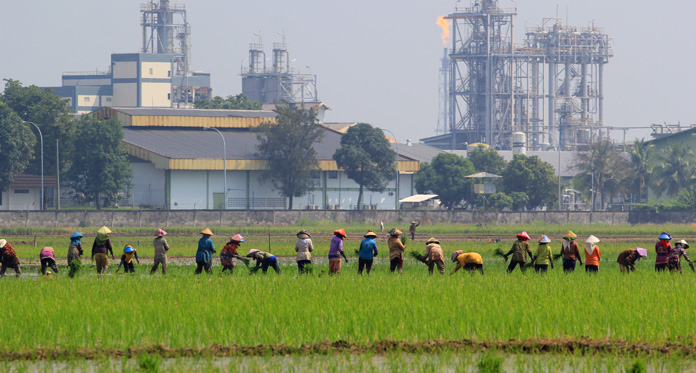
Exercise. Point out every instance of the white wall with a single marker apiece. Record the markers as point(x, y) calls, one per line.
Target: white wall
point(24, 201)
point(160, 70)
point(155, 94)
point(125, 95)
point(4, 205)
point(188, 190)
point(148, 185)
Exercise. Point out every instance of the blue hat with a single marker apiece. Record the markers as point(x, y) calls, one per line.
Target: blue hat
point(76, 235)
point(128, 249)
point(665, 236)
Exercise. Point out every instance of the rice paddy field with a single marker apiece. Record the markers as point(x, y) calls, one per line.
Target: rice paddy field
point(381, 322)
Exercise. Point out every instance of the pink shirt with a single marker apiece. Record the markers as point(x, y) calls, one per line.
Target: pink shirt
point(47, 252)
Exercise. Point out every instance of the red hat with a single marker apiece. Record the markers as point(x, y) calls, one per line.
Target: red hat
point(523, 236)
point(340, 232)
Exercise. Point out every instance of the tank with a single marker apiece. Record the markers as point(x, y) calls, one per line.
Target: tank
point(519, 143)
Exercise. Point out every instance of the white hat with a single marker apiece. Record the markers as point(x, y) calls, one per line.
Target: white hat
point(544, 239)
point(3, 243)
point(592, 239)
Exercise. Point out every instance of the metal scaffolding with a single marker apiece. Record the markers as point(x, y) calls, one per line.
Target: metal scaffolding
point(163, 23)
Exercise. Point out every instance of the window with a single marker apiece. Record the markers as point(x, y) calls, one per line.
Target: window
point(169, 74)
point(333, 174)
point(86, 99)
point(21, 191)
point(108, 99)
point(315, 174)
point(150, 71)
point(169, 96)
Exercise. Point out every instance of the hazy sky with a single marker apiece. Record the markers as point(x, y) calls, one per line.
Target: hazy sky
point(375, 61)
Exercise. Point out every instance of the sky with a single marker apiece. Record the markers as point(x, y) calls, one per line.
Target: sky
point(375, 61)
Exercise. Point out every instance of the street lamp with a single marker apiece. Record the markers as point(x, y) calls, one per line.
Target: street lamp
point(224, 161)
point(396, 204)
point(42, 161)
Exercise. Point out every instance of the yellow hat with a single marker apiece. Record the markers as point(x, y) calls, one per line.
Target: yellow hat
point(104, 230)
point(570, 236)
point(432, 240)
point(207, 232)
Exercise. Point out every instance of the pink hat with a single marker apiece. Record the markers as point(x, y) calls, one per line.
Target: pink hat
point(523, 236)
point(456, 254)
point(161, 232)
point(237, 238)
point(642, 252)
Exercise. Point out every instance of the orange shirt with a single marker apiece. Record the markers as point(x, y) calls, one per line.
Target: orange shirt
point(593, 260)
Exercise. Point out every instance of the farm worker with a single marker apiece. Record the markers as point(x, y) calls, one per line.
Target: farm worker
point(592, 254)
point(519, 251)
point(229, 253)
point(628, 258)
point(396, 250)
point(75, 248)
point(264, 260)
point(9, 258)
point(570, 252)
point(662, 248)
point(434, 256)
point(303, 248)
point(48, 259)
point(468, 261)
point(543, 257)
point(161, 248)
point(675, 255)
point(127, 259)
point(100, 247)
point(204, 255)
point(367, 252)
point(412, 229)
point(336, 251)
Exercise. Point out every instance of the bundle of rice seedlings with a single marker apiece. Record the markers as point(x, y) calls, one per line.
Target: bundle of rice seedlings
point(309, 268)
point(253, 269)
point(557, 256)
point(417, 256)
point(404, 239)
point(75, 266)
point(246, 261)
point(498, 252)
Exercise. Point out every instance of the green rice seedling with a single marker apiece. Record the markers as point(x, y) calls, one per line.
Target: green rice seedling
point(75, 266)
point(638, 366)
point(490, 363)
point(417, 256)
point(309, 268)
point(149, 363)
point(253, 269)
point(498, 252)
point(404, 239)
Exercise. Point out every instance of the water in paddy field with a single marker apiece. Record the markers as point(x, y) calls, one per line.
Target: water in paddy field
point(441, 362)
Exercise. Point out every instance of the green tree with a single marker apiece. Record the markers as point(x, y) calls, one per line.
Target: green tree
point(641, 157)
point(486, 159)
point(500, 201)
point(602, 166)
point(674, 169)
point(366, 157)
point(16, 146)
point(288, 145)
point(238, 102)
point(100, 171)
point(533, 177)
point(446, 177)
point(519, 200)
point(53, 116)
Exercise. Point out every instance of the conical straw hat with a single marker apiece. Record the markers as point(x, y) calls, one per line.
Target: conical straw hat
point(207, 231)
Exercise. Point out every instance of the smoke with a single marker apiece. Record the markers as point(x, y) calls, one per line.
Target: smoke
point(442, 22)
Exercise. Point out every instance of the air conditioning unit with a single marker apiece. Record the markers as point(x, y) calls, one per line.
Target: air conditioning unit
point(312, 207)
point(332, 207)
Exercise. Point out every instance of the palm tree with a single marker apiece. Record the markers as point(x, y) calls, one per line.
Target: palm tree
point(603, 167)
point(641, 157)
point(674, 170)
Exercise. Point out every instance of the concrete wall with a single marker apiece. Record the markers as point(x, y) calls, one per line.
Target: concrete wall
point(158, 218)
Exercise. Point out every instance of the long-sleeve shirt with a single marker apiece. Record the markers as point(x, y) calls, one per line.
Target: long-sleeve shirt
point(161, 248)
point(47, 252)
point(304, 247)
point(368, 249)
point(74, 252)
point(519, 251)
point(128, 257)
point(675, 254)
point(104, 248)
point(628, 257)
point(205, 250)
point(543, 255)
point(9, 256)
point(261, 256)
point(468, 258)
point(396, 247)
point(336, 247)
point(662, 251)
point(434, 252)
point(571, 251)
point(228, 253)
point(593, 260)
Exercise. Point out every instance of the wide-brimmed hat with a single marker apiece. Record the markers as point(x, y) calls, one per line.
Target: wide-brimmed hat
point(370, 234)
point(3, 242)
point(592, 239)
point(414, 222)
point(432, 240)
point(684, 244)
point(665, 236)
point(76, 235)
point(395, 232)
point(340, 232)
point(544, 239)
point(237, 238)
point(128, 249)
point(523, 236)
point(160, 233)
point(570, 236)
point(207, 232)
point(104, 230)
point(642, 252)
point(251, 253)
point(456, 254)
point(303, 234)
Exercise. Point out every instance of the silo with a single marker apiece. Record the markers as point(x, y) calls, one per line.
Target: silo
point(519, 143)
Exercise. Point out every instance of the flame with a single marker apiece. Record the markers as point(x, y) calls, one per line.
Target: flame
point(442, 22)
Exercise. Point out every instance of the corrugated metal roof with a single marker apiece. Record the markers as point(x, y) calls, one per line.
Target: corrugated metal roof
point(33, 181)
point(196, 112)
point(418, 198)
point(417, 151)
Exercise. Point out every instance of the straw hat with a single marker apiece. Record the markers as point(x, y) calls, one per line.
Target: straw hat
point(237, 238)
point(251, 253)
point(456, 254)
point(592, 239)
point(370, 234)
point(207, 232)
point(395, 232)
point(104, 230)
point(523, 236)
point(570, 236)
point(160, 232)
point(684, 244)
point(3, 243)
point(642, 252)
point(303, 234)
point(340, 232)
point(544, 239)
point(432, 240)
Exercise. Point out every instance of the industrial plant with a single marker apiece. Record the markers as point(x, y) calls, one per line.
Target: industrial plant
point(545, 92)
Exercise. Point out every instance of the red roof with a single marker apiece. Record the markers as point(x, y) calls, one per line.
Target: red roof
point(33, 181)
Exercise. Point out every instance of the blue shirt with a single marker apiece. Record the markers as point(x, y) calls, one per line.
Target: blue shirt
point(205, 250)
point(368, 247)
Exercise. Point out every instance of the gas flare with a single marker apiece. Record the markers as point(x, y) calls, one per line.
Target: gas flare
point(442, 22)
